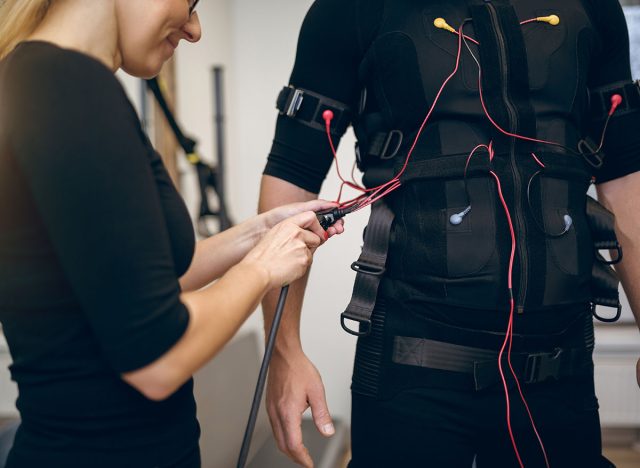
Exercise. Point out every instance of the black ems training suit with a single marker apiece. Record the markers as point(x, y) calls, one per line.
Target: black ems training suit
point(426, 387)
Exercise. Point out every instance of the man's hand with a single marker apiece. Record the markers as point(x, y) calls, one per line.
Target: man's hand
point(295, 385)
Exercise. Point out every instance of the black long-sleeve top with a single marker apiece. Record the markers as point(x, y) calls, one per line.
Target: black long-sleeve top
point(93, 239)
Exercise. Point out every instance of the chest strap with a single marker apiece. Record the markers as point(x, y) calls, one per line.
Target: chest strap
point(369, 269)
point(483, 363)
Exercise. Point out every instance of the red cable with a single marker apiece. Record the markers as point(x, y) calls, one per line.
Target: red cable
point(377, 193)
point(510, 325)
point(524, 402)
point(395, 181)
point(538, 161)
point(424, 122)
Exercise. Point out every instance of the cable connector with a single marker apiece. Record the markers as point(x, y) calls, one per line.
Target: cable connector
point(328, 218)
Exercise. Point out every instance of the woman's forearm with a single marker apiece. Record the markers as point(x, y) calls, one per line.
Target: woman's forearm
point(214, 256)
point(215, 315)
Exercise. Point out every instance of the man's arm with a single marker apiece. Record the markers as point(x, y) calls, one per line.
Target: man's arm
point(622, 197)
point(294, 383)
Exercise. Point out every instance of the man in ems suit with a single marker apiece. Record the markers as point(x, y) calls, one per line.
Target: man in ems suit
point(484, 122)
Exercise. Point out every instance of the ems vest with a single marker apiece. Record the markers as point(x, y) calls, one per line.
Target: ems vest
point(534, 81)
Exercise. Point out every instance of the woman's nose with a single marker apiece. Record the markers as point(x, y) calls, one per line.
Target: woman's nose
point(192, 31)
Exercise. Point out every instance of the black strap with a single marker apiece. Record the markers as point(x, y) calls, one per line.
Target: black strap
point(604, 290)
point(600, 98)
point(604, 279)
point(602, 226)
point(590, 152)
point(307, 107)
point(483, 363)
point(369, 267)
point(208, 176)
point(384, 145)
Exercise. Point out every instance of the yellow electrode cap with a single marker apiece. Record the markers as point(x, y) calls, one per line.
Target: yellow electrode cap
point(553, 20)
point(442, 24)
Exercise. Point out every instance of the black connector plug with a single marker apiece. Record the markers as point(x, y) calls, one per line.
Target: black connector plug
point(328, 218)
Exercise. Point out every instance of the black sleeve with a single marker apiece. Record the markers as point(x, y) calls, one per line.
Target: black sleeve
point(77, 141)
point(326, 63)
point(610, 67)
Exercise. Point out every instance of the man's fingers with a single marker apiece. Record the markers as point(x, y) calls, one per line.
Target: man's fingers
point(278, 432)
point(337, 228)
point(320, 412)
point(292, 425)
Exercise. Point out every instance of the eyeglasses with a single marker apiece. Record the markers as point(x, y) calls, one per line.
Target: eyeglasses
point(192, 6)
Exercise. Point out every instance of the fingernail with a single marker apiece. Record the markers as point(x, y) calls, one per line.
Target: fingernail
point(326, 235)
point(328, 429)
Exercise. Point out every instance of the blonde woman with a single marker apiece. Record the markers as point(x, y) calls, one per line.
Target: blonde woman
point(103, 290)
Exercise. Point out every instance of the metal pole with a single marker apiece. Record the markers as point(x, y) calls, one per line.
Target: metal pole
point(218, 106)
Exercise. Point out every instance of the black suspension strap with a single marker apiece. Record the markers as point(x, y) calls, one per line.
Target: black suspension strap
point(209, 178)
point(369, 267)
point(604, 279)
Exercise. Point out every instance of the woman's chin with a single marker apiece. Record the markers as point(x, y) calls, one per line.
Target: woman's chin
point(145, 70)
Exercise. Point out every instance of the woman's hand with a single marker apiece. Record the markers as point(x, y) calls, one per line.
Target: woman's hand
point(276, 215)
point(286, 251)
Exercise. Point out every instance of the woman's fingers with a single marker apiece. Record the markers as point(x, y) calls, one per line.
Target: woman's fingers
point(308, 220)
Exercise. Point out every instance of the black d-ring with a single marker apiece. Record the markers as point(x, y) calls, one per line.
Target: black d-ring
point(364, 325)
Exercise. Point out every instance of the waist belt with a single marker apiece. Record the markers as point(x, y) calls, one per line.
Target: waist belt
point(483, 363)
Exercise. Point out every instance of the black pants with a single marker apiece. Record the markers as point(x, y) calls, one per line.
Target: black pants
point(427, 427)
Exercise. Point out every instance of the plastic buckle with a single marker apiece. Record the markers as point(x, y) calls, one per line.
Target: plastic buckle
point(387, 144)
point(615, 318)
point(610, 245)
point(364, 324)
point(294, 101)
point(367, 268)
point(542, 366)
point(588, 150)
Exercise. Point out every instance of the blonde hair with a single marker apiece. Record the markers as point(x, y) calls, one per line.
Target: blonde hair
point(18, 19)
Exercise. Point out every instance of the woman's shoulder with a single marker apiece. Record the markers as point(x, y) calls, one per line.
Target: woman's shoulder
point(37, 68)
point(41, 57)
point(46, 86)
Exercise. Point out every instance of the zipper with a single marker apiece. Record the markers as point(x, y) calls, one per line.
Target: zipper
point(517, 182)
